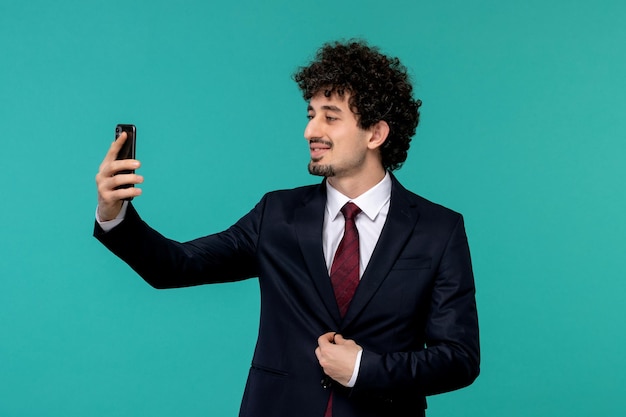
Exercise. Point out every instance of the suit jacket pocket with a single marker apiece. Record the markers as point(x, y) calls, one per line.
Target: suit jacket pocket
point(265, 393)
point(412, 263)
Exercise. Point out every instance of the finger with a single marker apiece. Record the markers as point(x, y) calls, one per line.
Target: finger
point(117, 145)
point(326, 338)
point(339, 340)
point(106, 179)
point(118, 181)
point(119, 165)
point(124, 193)
point(113, 151)
point(125, 179)
point(109, 191)
point(111, 168)
point(111, 199)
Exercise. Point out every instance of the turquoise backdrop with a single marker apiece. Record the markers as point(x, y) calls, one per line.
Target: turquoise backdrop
point(523, 131)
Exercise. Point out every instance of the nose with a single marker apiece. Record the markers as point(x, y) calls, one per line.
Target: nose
point(312, 129)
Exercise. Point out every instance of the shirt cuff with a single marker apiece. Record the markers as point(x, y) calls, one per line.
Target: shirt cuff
point(357, 365)
point(110, 224)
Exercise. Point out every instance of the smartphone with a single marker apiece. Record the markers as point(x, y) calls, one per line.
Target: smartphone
point(128, 150)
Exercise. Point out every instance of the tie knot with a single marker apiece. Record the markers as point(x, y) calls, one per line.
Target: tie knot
point(350, 210)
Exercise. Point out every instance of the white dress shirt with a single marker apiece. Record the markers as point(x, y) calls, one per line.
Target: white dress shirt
point(374, 205)
point(110, 224)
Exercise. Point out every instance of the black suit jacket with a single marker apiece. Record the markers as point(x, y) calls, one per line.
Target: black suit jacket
point(414, 311)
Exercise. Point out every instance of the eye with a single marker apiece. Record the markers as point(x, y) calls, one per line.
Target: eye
point(331, 118)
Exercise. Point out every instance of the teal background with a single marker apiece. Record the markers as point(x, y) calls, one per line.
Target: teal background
point(523, 131)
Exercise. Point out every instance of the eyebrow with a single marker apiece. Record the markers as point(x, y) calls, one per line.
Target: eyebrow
point(325, 107)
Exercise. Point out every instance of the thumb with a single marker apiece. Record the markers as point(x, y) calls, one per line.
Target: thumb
point(339, 340)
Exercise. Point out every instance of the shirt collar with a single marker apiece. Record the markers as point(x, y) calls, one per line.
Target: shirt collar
point(370, 202)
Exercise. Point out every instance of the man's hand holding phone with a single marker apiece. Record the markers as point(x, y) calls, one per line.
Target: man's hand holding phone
point(114, 186)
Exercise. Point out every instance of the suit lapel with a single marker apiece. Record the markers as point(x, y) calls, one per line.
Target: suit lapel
point(400, 222)
point(309, 220)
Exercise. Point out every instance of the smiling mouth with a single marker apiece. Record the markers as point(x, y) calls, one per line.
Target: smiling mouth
point(318, 147)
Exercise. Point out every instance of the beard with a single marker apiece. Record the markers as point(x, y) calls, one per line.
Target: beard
point(321, 170)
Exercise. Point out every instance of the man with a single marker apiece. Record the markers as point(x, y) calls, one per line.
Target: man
point(365, 309)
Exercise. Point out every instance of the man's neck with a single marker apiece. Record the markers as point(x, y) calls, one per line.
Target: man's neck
point(354, 186)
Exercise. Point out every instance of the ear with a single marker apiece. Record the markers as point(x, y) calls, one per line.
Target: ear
point(379, 131)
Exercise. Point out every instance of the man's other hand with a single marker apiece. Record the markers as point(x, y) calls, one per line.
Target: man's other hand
point(337, 356)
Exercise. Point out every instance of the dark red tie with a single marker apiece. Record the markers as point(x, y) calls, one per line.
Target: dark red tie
point(344, 272)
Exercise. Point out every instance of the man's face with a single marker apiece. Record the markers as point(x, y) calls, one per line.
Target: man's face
point(337, 144)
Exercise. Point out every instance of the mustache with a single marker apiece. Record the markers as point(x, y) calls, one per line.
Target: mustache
point(322, 141)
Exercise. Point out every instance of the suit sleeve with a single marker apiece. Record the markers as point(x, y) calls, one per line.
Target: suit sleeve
point(451, 356)
point(165, 263)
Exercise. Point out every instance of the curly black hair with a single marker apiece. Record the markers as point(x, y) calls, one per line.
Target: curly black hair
point(379, 89)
